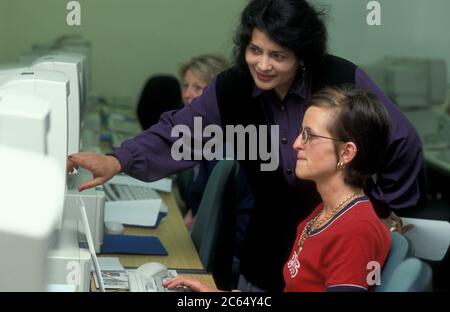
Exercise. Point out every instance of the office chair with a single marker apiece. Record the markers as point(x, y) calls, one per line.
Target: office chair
point(401, 249)
point(184, 180)
point(160, 94)
point(213, 233)
point(434, 208)
point(412, 275)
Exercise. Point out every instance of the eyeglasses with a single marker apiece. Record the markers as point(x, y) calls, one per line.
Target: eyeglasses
point(305, 136)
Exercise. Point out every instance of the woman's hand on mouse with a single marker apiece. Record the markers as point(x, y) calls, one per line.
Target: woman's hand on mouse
point(193, 284)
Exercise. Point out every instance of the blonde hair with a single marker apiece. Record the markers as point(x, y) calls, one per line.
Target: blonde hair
point(205, 66)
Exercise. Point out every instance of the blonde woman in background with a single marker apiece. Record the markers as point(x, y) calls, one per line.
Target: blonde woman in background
point(197, 73)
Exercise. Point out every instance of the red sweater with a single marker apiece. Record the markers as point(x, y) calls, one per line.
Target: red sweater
point(340, 253)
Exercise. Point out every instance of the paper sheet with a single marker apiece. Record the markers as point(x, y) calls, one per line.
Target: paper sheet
point(110, 264)
point(133, 212)
point(431, 238)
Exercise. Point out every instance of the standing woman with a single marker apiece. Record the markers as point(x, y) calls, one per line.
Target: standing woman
point(281, 61)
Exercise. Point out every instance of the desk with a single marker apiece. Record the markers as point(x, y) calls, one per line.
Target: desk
point(175, 238)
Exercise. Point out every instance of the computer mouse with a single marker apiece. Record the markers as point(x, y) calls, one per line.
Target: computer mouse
point(151, 269)
point(113, 228)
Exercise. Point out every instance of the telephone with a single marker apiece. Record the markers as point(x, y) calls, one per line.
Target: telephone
point(149, 277)
point(152, 269)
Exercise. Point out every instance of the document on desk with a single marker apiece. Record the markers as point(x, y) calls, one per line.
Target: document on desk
point(430, 238)
point(114, 274)
point(133, 212)
point(164, 185)
point(109, 264)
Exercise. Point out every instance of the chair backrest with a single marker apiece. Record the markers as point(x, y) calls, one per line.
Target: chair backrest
point(412, 275)
point(215, 222)
point(184, 180)
point(400, 250)
point(161, 93)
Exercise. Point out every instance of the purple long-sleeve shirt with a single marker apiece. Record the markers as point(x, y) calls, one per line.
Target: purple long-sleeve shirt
point(148, 155)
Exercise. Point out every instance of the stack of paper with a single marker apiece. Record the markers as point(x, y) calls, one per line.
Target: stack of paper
point(133, 212)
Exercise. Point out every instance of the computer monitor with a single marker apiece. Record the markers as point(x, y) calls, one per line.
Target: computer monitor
point(77, 44)
point(10, 69)
point(72, 66)
point(34, 207)
point(82, 76)
point(36, 51)
point(24, 121)
point(411, 82)
point(53, 87)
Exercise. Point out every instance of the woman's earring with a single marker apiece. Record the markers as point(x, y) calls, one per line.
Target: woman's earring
point(303, 71)
point(340, 165)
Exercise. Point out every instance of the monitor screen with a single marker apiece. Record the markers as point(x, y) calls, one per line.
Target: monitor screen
point(72, 66)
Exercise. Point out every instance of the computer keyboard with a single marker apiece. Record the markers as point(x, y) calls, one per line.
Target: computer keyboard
point(129, 192)
point(141, 283)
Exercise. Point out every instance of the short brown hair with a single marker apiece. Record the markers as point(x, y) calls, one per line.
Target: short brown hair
point(360, 118)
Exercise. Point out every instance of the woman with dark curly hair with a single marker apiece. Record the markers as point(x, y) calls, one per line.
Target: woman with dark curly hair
point(281, 61)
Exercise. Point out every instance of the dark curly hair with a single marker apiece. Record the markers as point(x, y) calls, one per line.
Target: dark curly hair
point(292, 24)
point(362, 119)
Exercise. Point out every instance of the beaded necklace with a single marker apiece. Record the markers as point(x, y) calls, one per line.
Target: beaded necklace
point(313, 225)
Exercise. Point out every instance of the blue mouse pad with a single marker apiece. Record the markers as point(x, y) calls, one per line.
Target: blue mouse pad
point(130, 244)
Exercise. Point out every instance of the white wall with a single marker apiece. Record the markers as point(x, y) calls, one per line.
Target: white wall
point(6, 42)
point(418, 28)
point(131, 39)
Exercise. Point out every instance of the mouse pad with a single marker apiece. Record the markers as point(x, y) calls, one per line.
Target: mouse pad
point(130, 244)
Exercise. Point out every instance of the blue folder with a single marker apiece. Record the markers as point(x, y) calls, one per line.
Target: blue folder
point(131, 244)
point(161, 216)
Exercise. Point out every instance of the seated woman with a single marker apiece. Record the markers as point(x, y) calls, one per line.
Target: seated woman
point(344, 134)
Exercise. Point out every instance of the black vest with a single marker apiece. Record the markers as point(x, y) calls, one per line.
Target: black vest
point(278, 207)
